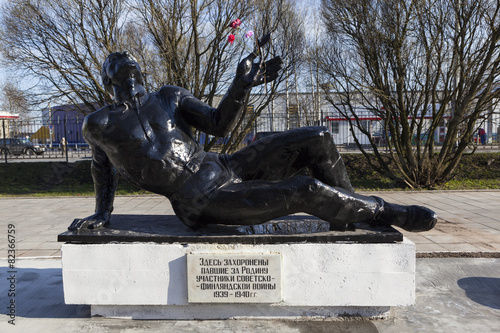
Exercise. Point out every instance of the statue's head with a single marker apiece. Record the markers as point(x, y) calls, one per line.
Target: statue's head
point(121, 76)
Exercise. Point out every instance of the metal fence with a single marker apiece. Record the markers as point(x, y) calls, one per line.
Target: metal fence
point(62, 138)
point(344, 136)
point(39, 139)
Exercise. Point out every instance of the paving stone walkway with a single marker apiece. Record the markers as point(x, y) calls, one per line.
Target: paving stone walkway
point(469, 221)
point(452, 294)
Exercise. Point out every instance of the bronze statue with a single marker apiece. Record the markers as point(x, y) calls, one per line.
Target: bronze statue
point(147, 138)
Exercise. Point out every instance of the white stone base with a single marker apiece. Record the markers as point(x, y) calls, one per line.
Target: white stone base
point(149, 280)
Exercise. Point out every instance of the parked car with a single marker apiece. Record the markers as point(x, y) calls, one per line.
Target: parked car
point(17, 146)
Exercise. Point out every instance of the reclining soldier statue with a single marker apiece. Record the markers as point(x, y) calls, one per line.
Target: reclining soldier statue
point(147, 138)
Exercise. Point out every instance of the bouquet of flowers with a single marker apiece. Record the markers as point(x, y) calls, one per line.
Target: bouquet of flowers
point(235, 27)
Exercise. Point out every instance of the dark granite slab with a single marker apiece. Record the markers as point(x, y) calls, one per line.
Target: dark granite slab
point(289, 229)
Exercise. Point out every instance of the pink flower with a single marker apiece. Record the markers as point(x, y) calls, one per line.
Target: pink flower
point(235, 24)
point(249, 34)
point(231, 38)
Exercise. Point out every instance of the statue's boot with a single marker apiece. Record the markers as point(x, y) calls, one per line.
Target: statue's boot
point(411, 218)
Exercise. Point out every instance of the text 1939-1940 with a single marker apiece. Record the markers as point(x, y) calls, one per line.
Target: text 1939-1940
point(234, 278)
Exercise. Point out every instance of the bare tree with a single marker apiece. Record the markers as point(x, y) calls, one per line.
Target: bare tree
point(14, 100)
point(62, 44)
point(418, 65)
point(189, 38)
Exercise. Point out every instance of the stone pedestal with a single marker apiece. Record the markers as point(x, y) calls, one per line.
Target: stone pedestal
point(125, 274)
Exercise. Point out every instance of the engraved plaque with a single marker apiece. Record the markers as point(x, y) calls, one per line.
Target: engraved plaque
point(234, 278)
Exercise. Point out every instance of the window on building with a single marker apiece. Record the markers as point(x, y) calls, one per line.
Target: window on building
point(365, 124)
point(334, 127)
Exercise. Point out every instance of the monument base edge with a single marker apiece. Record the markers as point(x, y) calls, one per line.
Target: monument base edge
point(238, 312)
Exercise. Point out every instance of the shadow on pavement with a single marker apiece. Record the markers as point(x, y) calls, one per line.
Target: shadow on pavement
point(482, 290)
point(38, 294)
point(333, 326)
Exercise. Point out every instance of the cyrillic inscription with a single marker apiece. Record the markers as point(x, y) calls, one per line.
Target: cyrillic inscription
point(234, 278)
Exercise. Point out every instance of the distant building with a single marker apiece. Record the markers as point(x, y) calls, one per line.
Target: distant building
point(65, 121)
point(5, 123)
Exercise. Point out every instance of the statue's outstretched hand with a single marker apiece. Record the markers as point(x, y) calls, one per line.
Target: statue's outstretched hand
point(251, 74)
point(98, 220)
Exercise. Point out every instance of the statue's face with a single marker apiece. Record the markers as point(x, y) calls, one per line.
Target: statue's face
point(125, 79)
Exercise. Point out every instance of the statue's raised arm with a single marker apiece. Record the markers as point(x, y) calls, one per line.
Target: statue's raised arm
point(221, 120)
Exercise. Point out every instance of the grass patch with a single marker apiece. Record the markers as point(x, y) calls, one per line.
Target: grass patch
point(478, 171)
point(475, 172)
point(471, 184)
point(53, 179)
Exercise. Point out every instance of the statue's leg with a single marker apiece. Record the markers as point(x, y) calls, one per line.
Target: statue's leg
point(258, 201)
point(282, 155)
